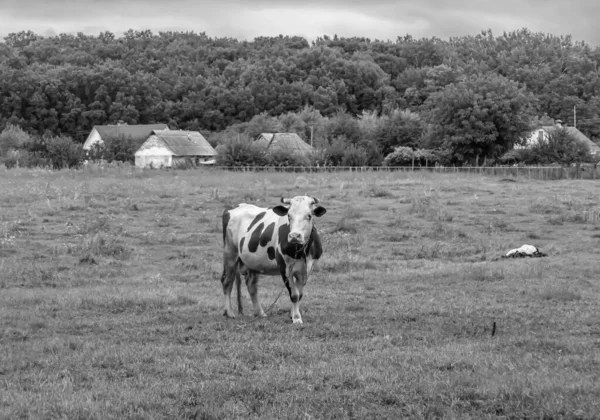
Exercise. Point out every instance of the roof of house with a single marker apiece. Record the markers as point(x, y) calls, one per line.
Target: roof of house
point(134, 131)
point(185, 143)
point(283, 141)
point(582, 138)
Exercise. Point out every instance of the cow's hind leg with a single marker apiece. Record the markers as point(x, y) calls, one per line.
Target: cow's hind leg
point(252, 283)
point(238, 286)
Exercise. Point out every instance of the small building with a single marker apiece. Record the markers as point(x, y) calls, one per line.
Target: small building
point(290, 142)
point(137, 133)
point(541, 133)
point(173, 148)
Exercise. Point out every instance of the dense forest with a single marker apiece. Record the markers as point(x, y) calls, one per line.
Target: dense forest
point(476, 95)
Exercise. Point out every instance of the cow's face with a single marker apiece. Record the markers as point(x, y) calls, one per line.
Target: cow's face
point(300, 211)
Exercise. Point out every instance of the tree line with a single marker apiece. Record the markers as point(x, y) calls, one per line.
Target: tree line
point(469, 98)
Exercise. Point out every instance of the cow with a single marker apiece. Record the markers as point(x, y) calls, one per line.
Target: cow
point(280, 240)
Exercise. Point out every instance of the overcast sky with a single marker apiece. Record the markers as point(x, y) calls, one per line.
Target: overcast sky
point(381, 19)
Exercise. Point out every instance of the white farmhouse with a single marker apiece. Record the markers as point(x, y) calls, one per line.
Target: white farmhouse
point(172, 148)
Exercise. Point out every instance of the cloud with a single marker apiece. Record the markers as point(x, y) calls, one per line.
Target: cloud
point(381, 19)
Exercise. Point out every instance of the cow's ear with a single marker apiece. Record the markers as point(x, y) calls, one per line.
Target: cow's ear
point(319, 211)
point(280, 210)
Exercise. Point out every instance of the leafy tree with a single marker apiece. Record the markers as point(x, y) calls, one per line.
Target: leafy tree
point(400, 128)
point(120, 148)
point(480, 116)
point(262, 123)
point(401, 156)
point(343, 125)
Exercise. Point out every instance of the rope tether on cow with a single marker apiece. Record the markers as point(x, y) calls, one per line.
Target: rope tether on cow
point(245, 324)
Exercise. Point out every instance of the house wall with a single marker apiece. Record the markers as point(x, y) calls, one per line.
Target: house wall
point(153, 153)
point(93, 137)
point(153, 161)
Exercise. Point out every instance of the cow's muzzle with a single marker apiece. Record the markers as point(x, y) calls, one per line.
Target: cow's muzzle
point(295, 238)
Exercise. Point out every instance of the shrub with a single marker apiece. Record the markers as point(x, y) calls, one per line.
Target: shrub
point(334, 154)
point(355, 156)
point(561, 147)
point(401, 156)
point(12, 137)
point(28, 159)
point(62, 152)
point(317, 158)
point(285, 158)
point(374, 155)
point(525, 156)
point(240, 151)
point(432, 157)
point(11, 160)
point(120, 148)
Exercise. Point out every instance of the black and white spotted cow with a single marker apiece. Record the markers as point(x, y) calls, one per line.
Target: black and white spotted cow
point(279, 240)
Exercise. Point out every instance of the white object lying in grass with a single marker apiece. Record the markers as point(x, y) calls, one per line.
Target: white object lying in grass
point(524, 251)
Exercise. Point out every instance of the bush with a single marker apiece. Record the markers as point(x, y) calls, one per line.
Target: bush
point(240, 151)
point(285, 158)
point(401, 156)
point(400, 128)
point(317, 158)
point(428, 157)
point(12, 159)
point(516, 156)
point(12, 137)
point(560, 147)
point(24, 159)
point(374, 155)
point(120, 148)
point(334, 154)
point(62, 152)
point(355, 156)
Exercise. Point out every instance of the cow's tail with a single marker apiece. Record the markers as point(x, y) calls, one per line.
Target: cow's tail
point(226, 217)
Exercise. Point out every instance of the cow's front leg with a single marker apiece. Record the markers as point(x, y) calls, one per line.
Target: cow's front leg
point(296, 317)
point(295, 290)
point(294, 281)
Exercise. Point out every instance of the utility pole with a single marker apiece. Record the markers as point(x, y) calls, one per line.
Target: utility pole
point(575, 116)
point(311, 136)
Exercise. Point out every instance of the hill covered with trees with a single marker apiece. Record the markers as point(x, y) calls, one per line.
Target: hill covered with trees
point(474, 95)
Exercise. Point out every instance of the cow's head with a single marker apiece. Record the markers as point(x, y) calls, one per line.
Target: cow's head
point(300, 211)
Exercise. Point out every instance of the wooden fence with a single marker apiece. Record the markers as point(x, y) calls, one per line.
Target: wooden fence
point(526, 172)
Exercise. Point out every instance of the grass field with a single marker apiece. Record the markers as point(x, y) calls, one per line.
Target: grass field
point(111, 304)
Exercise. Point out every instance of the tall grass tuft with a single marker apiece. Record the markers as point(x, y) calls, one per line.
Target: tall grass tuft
point(104, 246)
